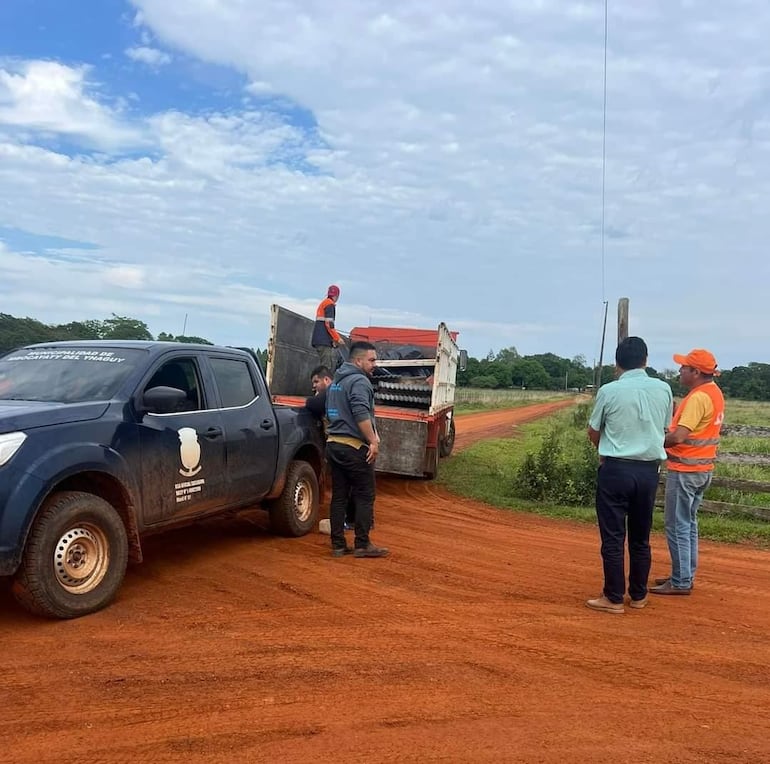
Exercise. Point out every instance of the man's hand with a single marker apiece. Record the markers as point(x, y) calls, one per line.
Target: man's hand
point(374, 449)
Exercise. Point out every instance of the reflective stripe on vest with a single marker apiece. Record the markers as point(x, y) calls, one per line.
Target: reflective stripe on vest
point(686, 460)
point(698, 451)
point(324, 333)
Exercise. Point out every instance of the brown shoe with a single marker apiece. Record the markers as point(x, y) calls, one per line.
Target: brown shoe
point(668, 588)
point(372, 551)
point(341, 551)
point(603, 604)
point(639, 604)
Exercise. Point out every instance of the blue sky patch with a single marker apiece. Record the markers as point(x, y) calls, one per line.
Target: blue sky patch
point(26, 241)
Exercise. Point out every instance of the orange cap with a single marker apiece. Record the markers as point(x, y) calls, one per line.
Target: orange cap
point(699, 359)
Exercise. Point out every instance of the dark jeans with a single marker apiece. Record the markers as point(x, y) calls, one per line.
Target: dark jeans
point(625, 495)
point(352, 479)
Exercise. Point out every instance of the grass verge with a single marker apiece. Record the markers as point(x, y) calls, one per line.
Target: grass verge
point(477, 407)
point(486, 472)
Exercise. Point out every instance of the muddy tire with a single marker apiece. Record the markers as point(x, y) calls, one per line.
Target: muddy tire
point(295, 511)
point(431, 463)
point(75, 557)
point(446, 444)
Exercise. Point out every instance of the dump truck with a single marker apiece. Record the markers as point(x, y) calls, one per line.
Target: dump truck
point(414, 386)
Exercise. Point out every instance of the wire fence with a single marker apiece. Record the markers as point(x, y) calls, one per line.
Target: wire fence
point(469, 396)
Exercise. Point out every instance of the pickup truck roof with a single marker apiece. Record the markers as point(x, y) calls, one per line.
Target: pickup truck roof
point(152, 346)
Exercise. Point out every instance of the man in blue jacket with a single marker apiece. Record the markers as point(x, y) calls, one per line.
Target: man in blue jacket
point(352, 446)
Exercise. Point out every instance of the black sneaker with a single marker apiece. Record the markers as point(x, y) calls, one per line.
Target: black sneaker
point(372, 551)
point(341, 551)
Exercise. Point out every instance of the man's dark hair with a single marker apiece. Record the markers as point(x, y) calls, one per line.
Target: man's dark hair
point(321, 371)
point(359, 348)
point(631, 354)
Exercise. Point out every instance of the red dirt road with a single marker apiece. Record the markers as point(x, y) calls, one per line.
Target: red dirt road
point(471, 643)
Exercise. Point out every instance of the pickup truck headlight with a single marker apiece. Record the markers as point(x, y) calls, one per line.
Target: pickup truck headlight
point(10, 443)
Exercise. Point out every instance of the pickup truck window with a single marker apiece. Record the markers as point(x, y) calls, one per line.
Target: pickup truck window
point(236, 386)
point(181, 373)
point(65, 375)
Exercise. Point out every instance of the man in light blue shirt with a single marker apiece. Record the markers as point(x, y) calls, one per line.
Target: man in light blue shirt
point(628, 425)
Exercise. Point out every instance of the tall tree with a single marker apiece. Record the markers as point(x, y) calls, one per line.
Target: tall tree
point(124, 328)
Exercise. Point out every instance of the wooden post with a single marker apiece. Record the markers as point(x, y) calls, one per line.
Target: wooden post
point(622, 319)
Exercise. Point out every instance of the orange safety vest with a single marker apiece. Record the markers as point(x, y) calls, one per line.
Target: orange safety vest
point(698, 451)
point(324, 332)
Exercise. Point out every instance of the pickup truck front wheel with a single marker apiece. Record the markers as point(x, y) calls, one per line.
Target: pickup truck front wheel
point(295, 511)
point(75, 557)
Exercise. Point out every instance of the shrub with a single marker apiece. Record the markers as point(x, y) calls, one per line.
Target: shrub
point(560, 472)
point(487, 381)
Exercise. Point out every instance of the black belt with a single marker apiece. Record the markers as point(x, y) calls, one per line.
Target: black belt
point(656, 462)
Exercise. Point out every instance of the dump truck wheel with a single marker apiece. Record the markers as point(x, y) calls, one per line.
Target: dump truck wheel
point(446, 444)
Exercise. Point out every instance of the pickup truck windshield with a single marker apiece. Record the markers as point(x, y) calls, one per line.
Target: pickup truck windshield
point(65, 375)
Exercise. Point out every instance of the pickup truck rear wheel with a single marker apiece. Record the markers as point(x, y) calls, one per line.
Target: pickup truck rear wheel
point(75, 557)
point(295, 511)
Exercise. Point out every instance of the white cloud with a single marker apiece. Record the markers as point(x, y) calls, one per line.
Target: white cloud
point(125, 276)
point(457, 175)
point(53, 98)
point(148, 55)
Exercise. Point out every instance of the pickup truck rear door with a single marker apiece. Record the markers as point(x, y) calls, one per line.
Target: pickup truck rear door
point(251, 430)
point(184, 469)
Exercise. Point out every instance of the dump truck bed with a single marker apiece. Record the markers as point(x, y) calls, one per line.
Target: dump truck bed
point(414, 385)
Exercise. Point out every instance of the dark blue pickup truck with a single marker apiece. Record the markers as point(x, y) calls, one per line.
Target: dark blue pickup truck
point(104, 442)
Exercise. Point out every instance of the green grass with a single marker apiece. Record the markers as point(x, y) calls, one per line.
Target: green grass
point(747, 412)
point(479, 407)
point(486, 471)
point(471, 400)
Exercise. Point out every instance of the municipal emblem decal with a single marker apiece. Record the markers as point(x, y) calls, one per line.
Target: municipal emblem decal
point(189, 452)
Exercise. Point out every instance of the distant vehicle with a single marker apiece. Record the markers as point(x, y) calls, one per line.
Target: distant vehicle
point(414, 386)
point(104, 442)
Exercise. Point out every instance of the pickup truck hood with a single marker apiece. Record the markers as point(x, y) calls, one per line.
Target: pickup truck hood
point(25, 415)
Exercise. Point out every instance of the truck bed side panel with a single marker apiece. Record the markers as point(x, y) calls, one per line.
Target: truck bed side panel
point(402, 447)
point(290, 358)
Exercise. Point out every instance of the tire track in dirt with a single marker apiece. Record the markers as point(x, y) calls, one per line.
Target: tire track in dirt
point(470, 643)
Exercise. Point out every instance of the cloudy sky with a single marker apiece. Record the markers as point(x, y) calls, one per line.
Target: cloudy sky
point(438, 160)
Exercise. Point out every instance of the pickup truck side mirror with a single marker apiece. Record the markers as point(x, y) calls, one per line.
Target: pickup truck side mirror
point(462, 361)
point(163, 400)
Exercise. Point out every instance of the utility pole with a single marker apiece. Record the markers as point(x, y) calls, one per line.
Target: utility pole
point(598, 372)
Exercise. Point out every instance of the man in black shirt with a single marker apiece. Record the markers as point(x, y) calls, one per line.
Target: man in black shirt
point(320, 379)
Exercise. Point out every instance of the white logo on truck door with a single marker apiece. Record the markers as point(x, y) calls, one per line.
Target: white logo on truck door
point(189, 451)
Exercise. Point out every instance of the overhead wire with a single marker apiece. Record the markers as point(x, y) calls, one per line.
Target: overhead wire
point(598, 373)
point(604, 145)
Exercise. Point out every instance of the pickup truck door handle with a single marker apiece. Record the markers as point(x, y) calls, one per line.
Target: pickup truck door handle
point(266, 424)
point(213, 432)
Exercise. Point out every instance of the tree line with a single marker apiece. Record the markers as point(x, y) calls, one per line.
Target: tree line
point(17, 332)
point(502, 369)
point(547, 371)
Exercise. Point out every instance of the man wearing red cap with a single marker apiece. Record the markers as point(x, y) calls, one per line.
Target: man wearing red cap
point(325, 337)
point(691, 446)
